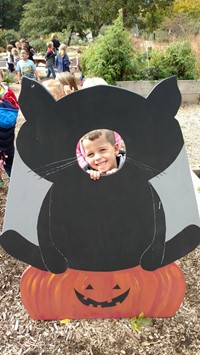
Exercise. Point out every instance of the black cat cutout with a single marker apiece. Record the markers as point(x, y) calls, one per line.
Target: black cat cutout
point(115, 223)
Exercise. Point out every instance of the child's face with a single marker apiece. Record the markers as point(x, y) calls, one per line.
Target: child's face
point(100, 154)
point(24, 55)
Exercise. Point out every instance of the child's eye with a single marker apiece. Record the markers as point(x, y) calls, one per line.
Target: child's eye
point(102, 150)
point(90, 155)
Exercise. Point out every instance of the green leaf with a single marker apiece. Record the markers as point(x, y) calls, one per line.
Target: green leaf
point(141, 321)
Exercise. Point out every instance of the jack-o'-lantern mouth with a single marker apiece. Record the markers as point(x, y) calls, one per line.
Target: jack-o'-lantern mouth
point(90, 301)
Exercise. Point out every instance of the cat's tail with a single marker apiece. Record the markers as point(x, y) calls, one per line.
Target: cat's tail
point(182, 244)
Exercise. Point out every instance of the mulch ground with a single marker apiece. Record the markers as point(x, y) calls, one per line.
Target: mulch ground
point(20, 335)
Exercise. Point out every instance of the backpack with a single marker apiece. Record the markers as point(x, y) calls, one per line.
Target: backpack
point(8, 114)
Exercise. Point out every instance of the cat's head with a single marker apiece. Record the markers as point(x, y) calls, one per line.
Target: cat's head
point(148, 126)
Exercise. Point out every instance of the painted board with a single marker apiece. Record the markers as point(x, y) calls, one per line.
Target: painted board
point(143, 216)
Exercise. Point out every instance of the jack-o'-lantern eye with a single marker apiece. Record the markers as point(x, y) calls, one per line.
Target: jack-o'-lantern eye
point(89, 287)
point(116, 287)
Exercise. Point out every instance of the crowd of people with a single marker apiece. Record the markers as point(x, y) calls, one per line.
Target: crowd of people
point(20, 59)
point(98, 152)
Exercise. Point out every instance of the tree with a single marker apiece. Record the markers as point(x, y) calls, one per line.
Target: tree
point(188, 7)
point(56, 16)
point(80, 15)
point(153, 13)
point(98, 13)
point(11, 12)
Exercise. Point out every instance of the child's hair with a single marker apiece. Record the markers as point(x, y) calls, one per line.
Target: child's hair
point(55, 88)
point(93, 82)
point(9, 47)
point(67, 78)
point(50, 45)
point(15, 52)
point(54, 36)
point(62, 49)
point(97, 133)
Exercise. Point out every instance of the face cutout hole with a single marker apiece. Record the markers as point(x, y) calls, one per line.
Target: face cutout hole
point(89, 287)
point(101, 152)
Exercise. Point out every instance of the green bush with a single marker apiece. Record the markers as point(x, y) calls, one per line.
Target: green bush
point(178, 59)
point(7, 36)
point(40, 45)
point(181, 61)
point(8, 77)
point(113, 58)
point(110, 57)
point(11, 36)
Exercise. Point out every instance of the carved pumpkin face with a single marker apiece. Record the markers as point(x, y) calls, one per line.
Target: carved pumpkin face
point(83, 294)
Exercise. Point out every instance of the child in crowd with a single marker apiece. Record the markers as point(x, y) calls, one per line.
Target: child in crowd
point(25, 45)
point(26, 67)
point(16, 57)
point(89, 82)
point(18, 46)
point(62, 59)
point(68, 81)
point(55, 88)
point(50, 60)
point(8, 115)
point(10, 58)
point(56, 43)
point(102, 153)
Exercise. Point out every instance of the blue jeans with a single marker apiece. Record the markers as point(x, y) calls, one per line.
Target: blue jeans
point(50, 71)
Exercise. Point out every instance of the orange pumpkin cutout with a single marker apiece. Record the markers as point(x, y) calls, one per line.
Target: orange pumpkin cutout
point(79, 294)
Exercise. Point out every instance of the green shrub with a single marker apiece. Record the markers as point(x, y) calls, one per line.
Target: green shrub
point(178, 59)
point(11, 36)
point(7, 36)
point(8, 77)
point(181, 61)
point(40, 45)
point(110, 57)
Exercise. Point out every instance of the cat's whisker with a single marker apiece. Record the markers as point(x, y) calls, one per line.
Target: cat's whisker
point(60, 166)
point(142, 165)
point(55, 163)
point(53, 171)
point(50, 167)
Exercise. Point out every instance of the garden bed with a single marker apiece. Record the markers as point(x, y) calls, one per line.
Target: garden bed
point(190, 89)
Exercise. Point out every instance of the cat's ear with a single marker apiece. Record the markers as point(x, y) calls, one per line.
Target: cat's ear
point(165, 98)
point(35, 100)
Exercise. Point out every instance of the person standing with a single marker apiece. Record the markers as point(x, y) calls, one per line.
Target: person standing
point(50, 60)
point(16, 57)
point(26, 67)
point(62, 59)
point(56, 43)
point(25, 45)
point(8, 115)
point(10, 58)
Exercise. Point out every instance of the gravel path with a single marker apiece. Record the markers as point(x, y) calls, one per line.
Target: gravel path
point(189, 119)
